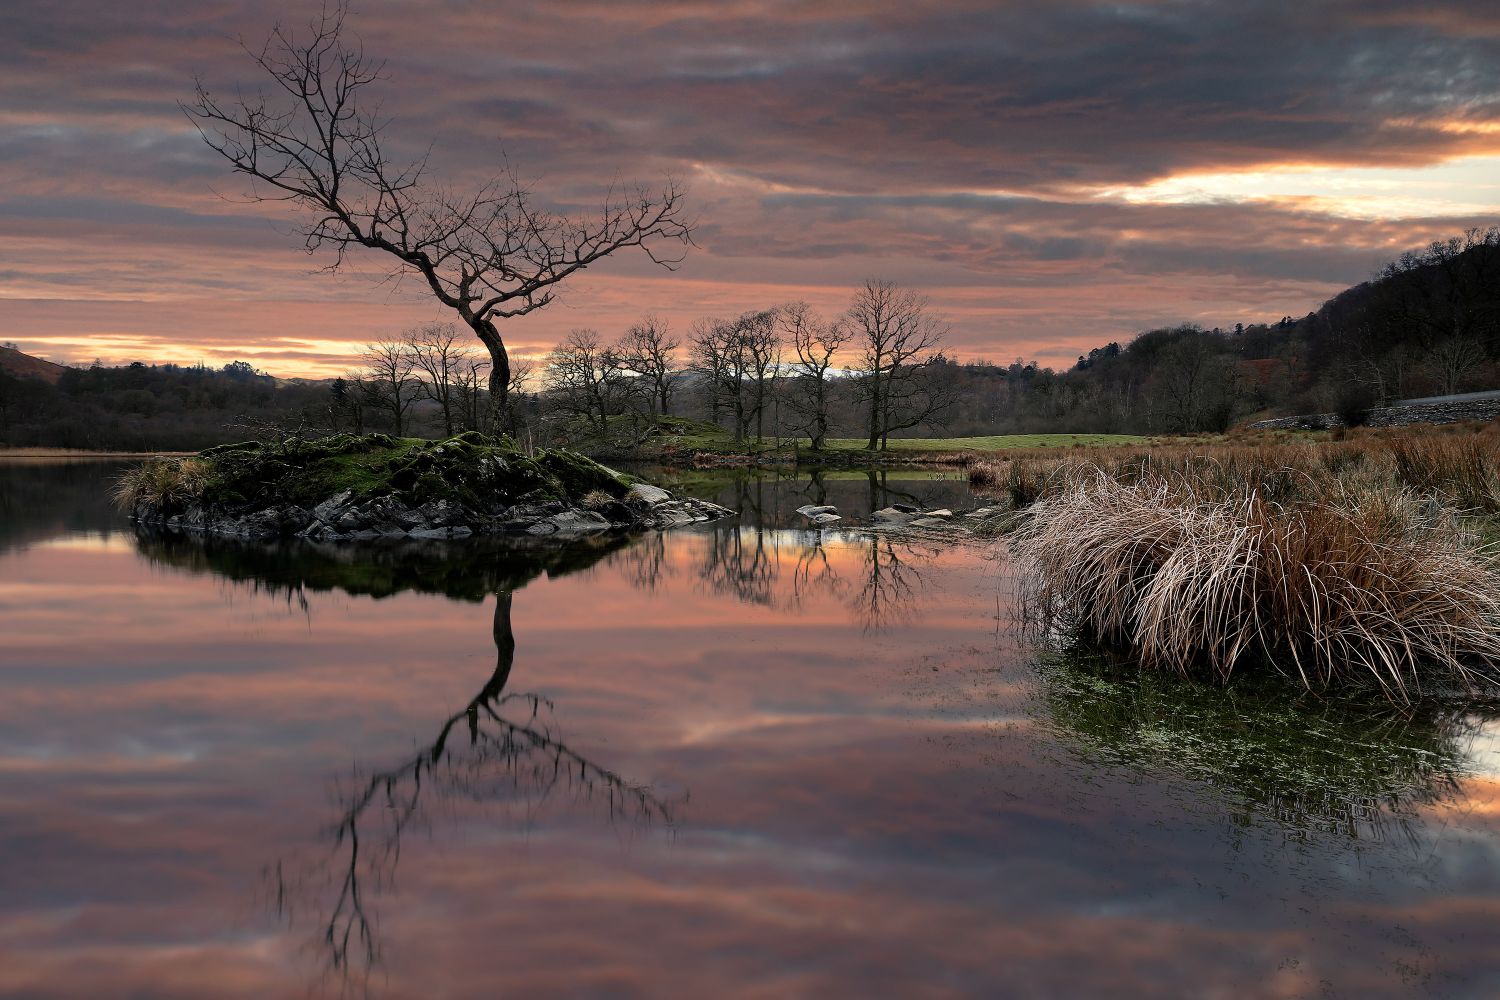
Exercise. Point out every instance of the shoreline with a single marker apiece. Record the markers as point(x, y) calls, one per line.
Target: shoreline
point(11, 454)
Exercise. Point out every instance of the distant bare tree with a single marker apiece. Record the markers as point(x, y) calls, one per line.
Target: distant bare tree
point(815, 342)
point(1452, 360)
point(439, 356)
point(586, 378)
point(739, 357)
point(758, 357)
point(898, 337)
point(318, 142)
point(709, 346)
point(647, 350)
point(1196, 386)
point(388, 382)
point(469, 391)
point(1444, 296)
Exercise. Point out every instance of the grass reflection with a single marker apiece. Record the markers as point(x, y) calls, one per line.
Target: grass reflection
point(1352, 766)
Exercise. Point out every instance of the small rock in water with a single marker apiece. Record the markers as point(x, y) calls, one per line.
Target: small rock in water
point(943, 512)
point(890, 515)
point(813, 510)
point(647, 493)
point(929, 522)
point(821, 520)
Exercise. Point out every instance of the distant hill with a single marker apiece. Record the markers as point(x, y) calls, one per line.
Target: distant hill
point(19, 365)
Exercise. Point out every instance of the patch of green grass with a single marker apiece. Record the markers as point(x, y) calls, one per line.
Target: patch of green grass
point(992, 442)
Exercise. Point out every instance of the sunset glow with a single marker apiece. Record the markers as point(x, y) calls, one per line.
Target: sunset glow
point(1052, 176)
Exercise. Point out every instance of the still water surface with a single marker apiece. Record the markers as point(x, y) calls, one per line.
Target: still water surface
point(747, 760)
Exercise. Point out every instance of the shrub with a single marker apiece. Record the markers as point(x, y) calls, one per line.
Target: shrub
point(1381, 587)
point(1353, 401)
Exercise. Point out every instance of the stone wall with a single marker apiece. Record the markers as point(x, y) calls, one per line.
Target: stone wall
point(1452, 412)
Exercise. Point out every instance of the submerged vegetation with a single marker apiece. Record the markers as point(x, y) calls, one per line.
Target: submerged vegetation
point(1356, 767)
point(1360, 560)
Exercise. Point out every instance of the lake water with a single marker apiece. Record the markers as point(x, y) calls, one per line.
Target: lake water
point(744, 760)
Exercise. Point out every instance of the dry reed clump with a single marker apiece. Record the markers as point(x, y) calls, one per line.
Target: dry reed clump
point(1380, 586)
point(161, 484)
point(596, 500)
point(1463, 470)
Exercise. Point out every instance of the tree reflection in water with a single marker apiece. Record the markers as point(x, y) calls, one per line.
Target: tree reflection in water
point(512, 758)
point(500, 750)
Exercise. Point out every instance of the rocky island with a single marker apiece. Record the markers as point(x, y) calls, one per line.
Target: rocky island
point(355, 488)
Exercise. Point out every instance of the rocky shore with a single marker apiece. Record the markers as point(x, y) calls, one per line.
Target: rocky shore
point(349, 488)
point(904, 518)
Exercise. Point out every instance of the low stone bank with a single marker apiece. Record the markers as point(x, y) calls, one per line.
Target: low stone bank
point(375, 486)
point(1454, 412)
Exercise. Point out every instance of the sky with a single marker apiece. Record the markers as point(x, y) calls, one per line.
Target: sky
point(1052, 175)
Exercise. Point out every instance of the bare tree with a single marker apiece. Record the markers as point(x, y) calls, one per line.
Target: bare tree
point(1452, 360)
point(647, 350)
point(757, 359)
point(1196, 385)
point(815, 342)
point(469, 391)
point(709, 346)
point(586, 378)
point(1444, 298)
point(898, 338)
point(439, 358)
point(388, 382)
point(317, 141)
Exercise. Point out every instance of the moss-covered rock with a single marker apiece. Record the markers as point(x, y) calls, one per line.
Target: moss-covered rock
point(362, 486)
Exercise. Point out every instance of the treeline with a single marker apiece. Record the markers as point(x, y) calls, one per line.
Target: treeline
point(149, 407)
point(1428, 323)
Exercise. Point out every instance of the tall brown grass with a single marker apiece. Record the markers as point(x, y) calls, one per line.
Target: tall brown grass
point(161, 484)
point(1457, 465)
point(1227, 563)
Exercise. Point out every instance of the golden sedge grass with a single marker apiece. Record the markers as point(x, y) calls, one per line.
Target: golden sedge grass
point(161, 483)
point(1375, 586)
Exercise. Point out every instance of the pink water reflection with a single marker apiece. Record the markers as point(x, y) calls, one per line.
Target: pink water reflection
point(862, 800)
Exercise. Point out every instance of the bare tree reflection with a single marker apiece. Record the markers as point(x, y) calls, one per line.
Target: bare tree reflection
point(645, 563)
point(743, 563)
point(883, 494)
point(890, 582)
point(512, 757)
point(814, 571)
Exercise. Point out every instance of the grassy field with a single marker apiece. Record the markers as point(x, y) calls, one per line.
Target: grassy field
point(993, 442)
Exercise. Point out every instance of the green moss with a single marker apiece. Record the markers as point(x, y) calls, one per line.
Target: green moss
point(579, 474)
point(1342, 765)
point(471, 469)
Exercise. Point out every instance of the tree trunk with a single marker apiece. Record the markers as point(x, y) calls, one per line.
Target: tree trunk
point(499, 370)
